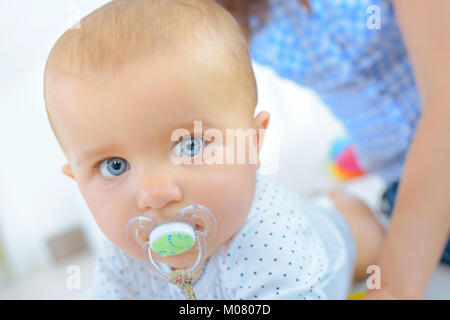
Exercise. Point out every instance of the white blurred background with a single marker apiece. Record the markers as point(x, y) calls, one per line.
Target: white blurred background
point(45, 226)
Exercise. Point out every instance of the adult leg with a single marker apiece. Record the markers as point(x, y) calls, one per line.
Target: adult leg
point(366, 230)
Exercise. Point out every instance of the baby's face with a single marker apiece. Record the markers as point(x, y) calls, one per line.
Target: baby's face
point(117, 134)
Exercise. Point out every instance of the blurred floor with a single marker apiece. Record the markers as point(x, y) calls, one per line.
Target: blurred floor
point(51, 283)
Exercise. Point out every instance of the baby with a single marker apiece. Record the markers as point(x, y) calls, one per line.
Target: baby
point(116, 90)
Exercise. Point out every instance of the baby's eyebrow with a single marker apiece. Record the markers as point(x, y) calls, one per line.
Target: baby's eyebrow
point(88, 154)
point(190, 124)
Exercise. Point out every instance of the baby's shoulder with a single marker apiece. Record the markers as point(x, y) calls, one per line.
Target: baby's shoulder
point(276, 248)
point(275, 203)
point(278, 216)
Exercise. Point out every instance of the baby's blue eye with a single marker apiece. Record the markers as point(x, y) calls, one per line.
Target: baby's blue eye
point(189, 147)
point(113, 167)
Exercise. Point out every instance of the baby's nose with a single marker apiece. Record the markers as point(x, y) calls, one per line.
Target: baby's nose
point(157, 194)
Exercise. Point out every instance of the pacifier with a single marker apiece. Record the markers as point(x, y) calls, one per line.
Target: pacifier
point(186, 232)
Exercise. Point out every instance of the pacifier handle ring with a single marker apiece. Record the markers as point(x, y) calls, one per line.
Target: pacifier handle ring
point(141, 227)
point(164, 274)
point(193, 208)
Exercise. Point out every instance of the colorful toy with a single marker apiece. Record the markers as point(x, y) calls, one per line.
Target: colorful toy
point(343, 161)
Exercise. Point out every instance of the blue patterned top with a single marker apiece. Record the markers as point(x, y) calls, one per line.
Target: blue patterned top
point(363, 74)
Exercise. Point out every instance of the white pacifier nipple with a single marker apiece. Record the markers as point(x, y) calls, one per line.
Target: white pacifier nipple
point(186, 231)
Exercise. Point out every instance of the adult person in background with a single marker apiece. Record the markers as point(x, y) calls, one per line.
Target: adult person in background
point(388, 81)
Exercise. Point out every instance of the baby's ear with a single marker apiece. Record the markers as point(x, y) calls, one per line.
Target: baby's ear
point(260, 124)
point(67, 170)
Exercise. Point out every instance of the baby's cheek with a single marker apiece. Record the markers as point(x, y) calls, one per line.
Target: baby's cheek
point(109, 213)
point(233, 202)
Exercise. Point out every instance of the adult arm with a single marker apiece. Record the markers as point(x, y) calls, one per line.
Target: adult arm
point(421, 219)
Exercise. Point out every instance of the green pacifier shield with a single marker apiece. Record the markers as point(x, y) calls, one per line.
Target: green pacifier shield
point(172, 244)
